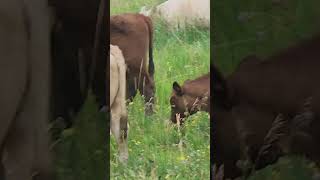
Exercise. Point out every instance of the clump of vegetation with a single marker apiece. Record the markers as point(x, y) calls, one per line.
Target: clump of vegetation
point(288, 168)
point(81, 151)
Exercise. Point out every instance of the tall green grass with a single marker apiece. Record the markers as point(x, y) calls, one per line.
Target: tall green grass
point(80, 152)
point(157, 149)
point(288, 168)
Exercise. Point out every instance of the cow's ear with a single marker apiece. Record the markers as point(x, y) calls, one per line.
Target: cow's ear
point(221, 93)
point(177, 88)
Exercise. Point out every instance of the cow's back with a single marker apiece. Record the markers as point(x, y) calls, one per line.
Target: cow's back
point(131, 33)
point(198, 86)
point(282, 82)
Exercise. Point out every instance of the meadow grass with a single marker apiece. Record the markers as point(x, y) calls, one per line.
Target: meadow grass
point(288, 168)
point(80, 152)
point(157, 148)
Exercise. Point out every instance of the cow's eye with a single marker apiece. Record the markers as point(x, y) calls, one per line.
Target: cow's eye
point(172, 100)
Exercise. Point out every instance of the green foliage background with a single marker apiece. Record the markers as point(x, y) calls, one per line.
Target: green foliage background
point(81, 150)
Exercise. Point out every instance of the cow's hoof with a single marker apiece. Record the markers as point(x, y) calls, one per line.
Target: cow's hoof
point(123, 159)
point(149, 110)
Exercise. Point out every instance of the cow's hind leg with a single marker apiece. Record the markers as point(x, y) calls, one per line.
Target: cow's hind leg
point(120, 135)
point(124, 130)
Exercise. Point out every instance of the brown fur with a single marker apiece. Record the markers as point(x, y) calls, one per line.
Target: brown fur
point(133, 34)
point(24, 90)
point(258, 90)
point(99, 56)
point(193, 96)
point(72, 36)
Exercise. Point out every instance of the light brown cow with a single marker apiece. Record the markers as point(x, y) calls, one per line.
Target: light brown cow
point(133, 34)
point(192, 97)
point(119, 127)
point(247, 102)
point(24, 90)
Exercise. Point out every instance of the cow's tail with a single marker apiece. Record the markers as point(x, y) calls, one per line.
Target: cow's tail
point(150, 30)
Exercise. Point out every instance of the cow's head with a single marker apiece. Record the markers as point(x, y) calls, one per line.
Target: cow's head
point(185, 103)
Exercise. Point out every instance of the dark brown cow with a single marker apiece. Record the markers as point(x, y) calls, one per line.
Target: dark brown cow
point(193, 96)
point(73, 36)
point(133, 34)
point(247, 102)
point(24, 90)
point(99, 56)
